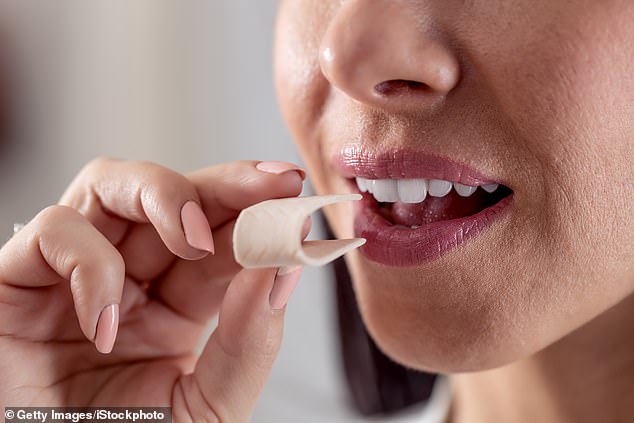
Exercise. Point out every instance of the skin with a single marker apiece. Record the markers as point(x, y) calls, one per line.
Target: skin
point(535, 94)
point(117, 238)
point(533, 318)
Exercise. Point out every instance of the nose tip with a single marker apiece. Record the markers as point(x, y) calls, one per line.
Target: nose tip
point(375, 53)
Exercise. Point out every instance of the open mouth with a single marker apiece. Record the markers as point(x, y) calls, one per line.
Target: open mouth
point(417, 206)
point(412, 203)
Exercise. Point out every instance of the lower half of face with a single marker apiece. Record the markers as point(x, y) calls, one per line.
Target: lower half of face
point(496, 205)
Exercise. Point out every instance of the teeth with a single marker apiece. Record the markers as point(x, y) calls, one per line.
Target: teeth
point(412, 191)
point(369, 184)
point(362, 184)
point(464, 190)
point(490, 188)
point(385, 190)
point(439, 188)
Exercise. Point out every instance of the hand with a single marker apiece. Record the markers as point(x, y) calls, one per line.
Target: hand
point(126, 249)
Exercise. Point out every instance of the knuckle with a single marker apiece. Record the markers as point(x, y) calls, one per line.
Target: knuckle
point(79, 193)
point(164, 184)
point(53, 215)
point(96, 165)
point(153, 171)
point(99, 162)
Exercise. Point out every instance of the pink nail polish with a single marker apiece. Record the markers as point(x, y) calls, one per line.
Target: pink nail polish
point(107, 327)
point(196, 227)
point(285, 282)
point(278, 168)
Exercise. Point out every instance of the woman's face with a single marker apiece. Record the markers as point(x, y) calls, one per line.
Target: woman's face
point(534, 95)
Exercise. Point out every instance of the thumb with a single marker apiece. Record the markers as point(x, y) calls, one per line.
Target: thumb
point(238, 357)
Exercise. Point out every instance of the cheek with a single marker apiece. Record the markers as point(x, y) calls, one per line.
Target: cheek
point(301, 88)
point(568, 98)
point(573, 110)
point(564, 84)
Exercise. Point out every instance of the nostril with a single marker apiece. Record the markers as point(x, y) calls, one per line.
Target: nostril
point(401, 87)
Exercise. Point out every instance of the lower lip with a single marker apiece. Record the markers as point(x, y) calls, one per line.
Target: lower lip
point(393, 245)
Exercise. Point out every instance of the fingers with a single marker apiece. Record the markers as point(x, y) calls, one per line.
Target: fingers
point(110, 193)
point(237, 360)
point(145, 254)
point(224, 190)
point(60, 246)
point(195, 288)
point(227, 189)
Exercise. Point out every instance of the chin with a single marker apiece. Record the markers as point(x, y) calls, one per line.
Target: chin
point(441, 322)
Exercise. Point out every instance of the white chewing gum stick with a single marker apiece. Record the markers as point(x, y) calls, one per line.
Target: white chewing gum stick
point(269, 234)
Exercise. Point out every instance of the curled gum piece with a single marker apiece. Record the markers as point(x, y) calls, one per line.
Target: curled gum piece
point(268, 234)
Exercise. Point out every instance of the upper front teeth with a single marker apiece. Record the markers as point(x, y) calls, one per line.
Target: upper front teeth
point(385, 190)
point(414, 190)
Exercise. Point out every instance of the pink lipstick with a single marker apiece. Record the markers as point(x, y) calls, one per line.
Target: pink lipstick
point(354, 160)
point(403, 228)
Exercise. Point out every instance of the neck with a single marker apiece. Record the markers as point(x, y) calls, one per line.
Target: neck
point(585, 377)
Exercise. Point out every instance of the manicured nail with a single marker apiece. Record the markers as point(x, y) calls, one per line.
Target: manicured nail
point(196, 227)
point(107, 327)
point(277, 168)
point(285, 282)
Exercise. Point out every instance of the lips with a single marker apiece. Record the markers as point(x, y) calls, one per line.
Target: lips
point(354, 160)
point(422, 227)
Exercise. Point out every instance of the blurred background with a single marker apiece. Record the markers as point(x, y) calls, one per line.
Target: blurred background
point(187, 84)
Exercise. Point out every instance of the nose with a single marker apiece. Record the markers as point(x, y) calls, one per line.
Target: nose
point(380, 53)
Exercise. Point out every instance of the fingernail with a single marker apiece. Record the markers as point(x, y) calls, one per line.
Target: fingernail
point(285, 282)
point(278, 168)
point(196, 227)
point(107, 327)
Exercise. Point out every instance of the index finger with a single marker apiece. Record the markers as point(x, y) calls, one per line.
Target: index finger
point(111, 194)
point(244, 183)
point(223, 191)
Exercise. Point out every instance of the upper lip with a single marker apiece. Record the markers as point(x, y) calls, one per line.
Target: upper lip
point(356, 160)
